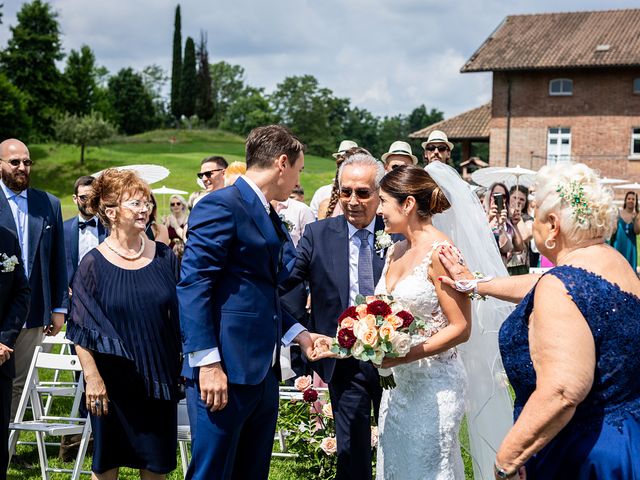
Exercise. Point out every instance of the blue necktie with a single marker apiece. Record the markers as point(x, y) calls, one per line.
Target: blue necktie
point(365, 266)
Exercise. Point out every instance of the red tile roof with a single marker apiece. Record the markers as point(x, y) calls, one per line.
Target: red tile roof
point(473, 124)
point(561, 40)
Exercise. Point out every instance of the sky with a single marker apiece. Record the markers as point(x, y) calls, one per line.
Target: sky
point(388, 56)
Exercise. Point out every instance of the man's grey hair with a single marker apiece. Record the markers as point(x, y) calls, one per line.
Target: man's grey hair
point(363, 160)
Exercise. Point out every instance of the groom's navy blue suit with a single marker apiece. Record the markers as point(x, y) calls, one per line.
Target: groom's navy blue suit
point(323, 261)
point(234, 259)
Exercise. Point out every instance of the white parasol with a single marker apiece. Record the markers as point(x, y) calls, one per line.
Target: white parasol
point(610, 181)
point(629, 186)
point(507, 175)
point(148, 172)
point(168, 191)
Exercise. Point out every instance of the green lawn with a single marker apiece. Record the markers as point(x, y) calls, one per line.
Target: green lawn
point(58, 166)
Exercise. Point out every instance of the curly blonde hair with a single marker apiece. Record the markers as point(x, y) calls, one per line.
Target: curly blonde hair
point(597, 216)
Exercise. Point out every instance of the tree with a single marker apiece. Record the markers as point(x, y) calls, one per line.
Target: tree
point(361, 126)
point(204, 102)
point(188, 79)
point(14, 120)
point(418, 119)
point(227, 87)
point(251, 110)
point(83, 130)
point(313, 113)
point(131, 104)
point(390, 129)
point(176, 66)
point(29, 61)
point(154, 79)
point(80, 79)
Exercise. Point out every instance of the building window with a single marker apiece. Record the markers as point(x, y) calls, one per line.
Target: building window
point(635, 142)
point(636, 85)
point(558, 145)
point(561, 87)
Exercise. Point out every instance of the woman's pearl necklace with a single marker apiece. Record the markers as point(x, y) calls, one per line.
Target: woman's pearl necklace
point(135, 256)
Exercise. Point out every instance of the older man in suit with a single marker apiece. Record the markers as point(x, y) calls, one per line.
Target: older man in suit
point(14, 307)
point(36, 218)
point(339, 259)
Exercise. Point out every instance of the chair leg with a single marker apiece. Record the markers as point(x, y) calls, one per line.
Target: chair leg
point(184, 457)
point(42, 453)
point(82, 451)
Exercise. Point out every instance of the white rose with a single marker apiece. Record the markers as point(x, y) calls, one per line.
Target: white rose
point(357, 350)
point(328, 445)
point(401, 343)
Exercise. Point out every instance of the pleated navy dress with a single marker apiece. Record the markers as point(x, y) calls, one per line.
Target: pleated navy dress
point(129, 320)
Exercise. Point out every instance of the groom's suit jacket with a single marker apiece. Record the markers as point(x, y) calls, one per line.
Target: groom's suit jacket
point(323, 260)
point(47, 264)
point(234, 260)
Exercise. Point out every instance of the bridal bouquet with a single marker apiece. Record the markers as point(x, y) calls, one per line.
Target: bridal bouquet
point(374, 329)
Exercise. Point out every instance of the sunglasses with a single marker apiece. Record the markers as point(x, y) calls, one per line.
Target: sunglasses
point(16, 162)
point(361, 193)
point(441, 148)
point(175, 204)
point(209, 174)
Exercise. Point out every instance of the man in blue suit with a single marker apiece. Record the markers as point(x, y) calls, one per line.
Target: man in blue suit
point(36, 218)
point(339, 258)
point(14, 306)
point(83, 232)
point(230, 314)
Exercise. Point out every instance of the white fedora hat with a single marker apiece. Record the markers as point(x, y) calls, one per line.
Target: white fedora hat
point(344, 146)
point(438, 136)
point(400, 148)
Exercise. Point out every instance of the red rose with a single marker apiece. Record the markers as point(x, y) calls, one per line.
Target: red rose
point(349, 312)
point(406, 317)
point(378, 307)
point(346, 338)
point(310, 395)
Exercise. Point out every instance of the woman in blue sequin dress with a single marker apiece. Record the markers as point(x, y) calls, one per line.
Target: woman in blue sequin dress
point(570, 347)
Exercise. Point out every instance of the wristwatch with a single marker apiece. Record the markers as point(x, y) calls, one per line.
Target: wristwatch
point(502, 473)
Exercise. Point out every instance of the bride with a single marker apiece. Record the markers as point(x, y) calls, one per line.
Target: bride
point(420, 419)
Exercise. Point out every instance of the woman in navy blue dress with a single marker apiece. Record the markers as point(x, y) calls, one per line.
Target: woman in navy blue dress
point(124, 324)
point(570, 347)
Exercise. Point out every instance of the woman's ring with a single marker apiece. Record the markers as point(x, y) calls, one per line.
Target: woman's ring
point(461, 261)
point(97, 403)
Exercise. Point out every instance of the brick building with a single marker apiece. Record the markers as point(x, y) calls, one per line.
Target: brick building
point(566, 86)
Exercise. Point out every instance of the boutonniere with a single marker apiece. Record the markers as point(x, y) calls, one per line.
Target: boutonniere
point(8, 264)
point(286, 222)
point(383, 241)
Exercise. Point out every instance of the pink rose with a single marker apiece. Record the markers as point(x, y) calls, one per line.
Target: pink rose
point(370, 298)
point(302, 383)
point(370, 337)
point(362, 310)
point(395, 321)
point(347, 323)
point(387, 331)
point(329, 445)
point(327, 411)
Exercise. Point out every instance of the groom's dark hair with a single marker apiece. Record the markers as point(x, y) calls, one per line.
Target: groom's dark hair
point(265, 144)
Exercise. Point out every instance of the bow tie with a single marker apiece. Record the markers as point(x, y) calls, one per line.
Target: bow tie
point(90, 223)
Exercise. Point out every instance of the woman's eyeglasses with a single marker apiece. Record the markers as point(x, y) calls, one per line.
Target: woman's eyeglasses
point(441, 148)
point(361, 193)
point(209, 174)
point(138, 205)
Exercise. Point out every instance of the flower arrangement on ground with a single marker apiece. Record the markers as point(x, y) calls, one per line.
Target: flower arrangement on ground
point(374, 329)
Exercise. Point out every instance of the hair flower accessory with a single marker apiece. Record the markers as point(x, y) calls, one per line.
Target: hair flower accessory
point(383, 240)
point(8, 264)
point(573, 194)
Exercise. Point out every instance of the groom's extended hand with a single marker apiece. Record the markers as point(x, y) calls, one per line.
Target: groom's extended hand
point(309, 344)
point(213, 386)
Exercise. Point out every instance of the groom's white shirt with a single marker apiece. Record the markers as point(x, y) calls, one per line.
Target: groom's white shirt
point(212, 355)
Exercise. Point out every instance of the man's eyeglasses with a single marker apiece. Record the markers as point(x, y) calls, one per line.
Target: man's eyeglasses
point(361, 193)
point(15, 162)
point(209, 174)
point(82, 198)
point(137, 205)
point(441, 148)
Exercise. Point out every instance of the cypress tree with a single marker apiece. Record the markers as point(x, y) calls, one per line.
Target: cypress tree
point(176, 67)
point(188, 80)
point(204, 102)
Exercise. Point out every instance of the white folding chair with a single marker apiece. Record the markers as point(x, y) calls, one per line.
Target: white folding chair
point(184, 435)
point(43, 424)
point(56, 387)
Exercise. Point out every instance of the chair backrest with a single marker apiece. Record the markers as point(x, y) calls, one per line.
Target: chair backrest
point(55, 361)
point(57, 339)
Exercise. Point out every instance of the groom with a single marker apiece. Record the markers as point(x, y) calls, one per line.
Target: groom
point(232, 323)
point(339, 258)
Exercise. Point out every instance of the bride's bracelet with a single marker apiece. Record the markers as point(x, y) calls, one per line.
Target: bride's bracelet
point(471, 286)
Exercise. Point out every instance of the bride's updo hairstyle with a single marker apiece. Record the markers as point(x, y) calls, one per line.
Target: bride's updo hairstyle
point(113, 187)
point(584, 206)
point(408, 180)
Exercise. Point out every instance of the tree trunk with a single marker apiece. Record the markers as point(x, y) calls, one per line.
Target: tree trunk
point(82, 154)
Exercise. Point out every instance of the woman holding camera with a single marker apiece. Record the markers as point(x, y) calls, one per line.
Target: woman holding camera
point(497, 207)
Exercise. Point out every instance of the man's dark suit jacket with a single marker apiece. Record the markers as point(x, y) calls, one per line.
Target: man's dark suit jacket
point(323, 260)
point(14, 298)
point(47, 265)
point(71, 240)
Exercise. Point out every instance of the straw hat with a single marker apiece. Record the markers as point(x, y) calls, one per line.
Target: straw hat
point(344, 146)
point(438, 136)
point(400, 148)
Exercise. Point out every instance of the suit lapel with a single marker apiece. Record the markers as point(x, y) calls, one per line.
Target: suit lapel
point(6, 216)
point(338, 249)
point(73, 242)
point(377, 259)
point(37, 213)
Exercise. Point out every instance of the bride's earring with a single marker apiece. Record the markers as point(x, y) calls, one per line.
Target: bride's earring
point(547, 243)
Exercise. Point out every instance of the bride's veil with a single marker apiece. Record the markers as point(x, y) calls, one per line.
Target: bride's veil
point(489, 405)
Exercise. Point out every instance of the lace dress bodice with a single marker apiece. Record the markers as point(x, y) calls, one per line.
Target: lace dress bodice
point(420, 418)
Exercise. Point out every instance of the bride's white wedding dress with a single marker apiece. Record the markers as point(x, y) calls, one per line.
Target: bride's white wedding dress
point(420, 418)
